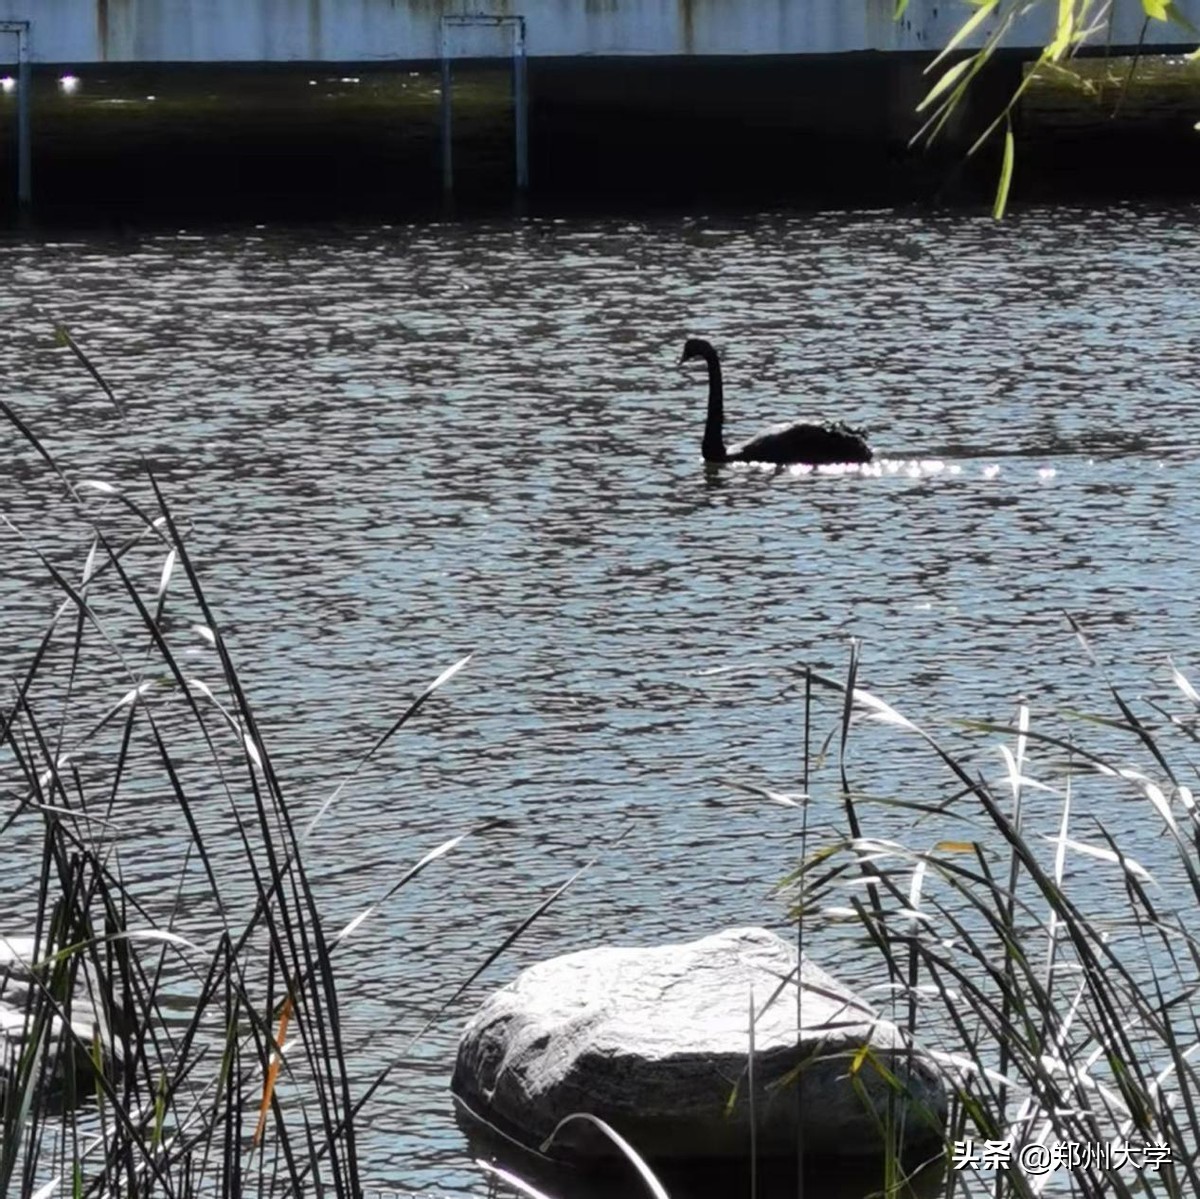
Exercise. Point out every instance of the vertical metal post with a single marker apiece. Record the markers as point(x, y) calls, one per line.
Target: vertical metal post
point(521, 103)
point(447, 114)
point(520, 89)
point(24, 100)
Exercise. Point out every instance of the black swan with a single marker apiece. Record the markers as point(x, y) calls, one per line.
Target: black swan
point(816, 445)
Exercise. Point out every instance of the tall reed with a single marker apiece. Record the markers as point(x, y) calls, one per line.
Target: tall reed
point(1052, 974)
point(147, 1061)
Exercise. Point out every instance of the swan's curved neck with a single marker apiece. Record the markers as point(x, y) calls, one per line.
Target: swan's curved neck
point(713, 445)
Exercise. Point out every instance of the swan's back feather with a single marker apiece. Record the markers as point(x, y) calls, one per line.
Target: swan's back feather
point(814, 445)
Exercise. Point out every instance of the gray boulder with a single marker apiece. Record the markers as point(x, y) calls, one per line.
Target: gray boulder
point(15, 952)
point(655, 1042)
point(20, 1001)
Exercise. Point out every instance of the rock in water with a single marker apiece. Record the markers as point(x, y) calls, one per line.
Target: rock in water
point(20, 1006)
point(656, 1043)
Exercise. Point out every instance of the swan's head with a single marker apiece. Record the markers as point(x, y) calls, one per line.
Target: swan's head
point(696, 347)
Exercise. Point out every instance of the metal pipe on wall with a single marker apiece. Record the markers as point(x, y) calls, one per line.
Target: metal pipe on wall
point(24, 100)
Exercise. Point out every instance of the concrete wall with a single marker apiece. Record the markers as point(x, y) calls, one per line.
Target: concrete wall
point(74, 32)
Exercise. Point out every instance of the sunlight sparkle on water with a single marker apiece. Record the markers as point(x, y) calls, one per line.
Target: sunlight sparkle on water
point(908, 468)
point(8, 84)
point(69, 83)
point(831, 468)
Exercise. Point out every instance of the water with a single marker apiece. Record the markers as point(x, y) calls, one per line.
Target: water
point(395, 445)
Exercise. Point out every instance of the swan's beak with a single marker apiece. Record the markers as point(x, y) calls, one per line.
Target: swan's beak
point(682, 359)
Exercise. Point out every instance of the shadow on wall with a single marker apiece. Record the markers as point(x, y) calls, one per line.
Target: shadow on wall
point(135, 145)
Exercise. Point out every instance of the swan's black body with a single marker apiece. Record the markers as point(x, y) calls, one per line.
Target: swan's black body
point(815, 445)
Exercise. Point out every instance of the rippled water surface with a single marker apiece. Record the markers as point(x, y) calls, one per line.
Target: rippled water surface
point(390, 446)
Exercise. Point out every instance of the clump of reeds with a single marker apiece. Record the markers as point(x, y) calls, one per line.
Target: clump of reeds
point(146, 1061)
point(1024, 943)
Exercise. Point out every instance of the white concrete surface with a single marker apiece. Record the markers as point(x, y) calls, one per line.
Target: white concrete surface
point(76, 32)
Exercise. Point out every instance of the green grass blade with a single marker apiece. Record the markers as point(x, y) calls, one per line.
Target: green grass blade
point(1004, 186)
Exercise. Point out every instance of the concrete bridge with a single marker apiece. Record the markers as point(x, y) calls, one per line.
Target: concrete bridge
point(79, 32)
